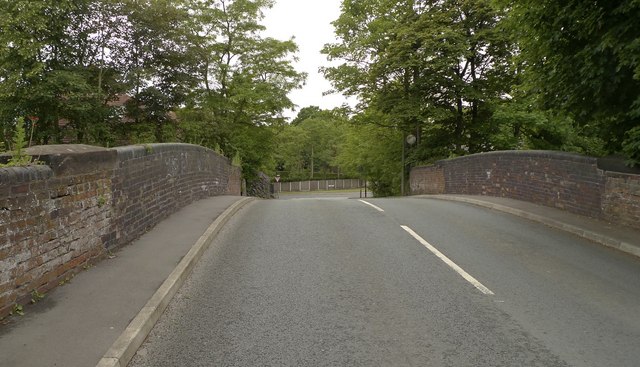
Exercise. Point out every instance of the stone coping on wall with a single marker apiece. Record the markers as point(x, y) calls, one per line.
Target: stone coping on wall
point(608, 164)
point(141, 150)
point(550, 154)
point(63, 157)
point(73, 159)
point(24, 174)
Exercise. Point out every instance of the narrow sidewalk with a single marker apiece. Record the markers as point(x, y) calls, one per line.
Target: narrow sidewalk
point(75, 324)
point(622, 238)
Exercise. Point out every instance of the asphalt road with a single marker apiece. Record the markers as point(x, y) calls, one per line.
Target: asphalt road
point(336, 282)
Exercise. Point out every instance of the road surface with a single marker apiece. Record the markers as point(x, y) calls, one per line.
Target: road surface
point(399, 282)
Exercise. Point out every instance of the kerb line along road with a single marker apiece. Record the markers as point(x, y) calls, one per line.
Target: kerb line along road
point(399, 282)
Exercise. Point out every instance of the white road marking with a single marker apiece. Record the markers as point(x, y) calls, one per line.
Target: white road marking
point(448, 261)
point(373, 206)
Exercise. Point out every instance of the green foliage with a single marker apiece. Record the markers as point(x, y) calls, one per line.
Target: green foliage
point(308, 149)
point(67, 279)
point(631, 146)
point(17, 310)
point(438, 70)
point(18, 157)
point(237, 160)
point(463, 76)
point(112, 72)
point(524, 128)
point(420, 64)
point(244, 82)
point(375, 154)
point(472, 76)
point(290, 152)
point(46, 54)
point(579, 59)
point(36, 296)
point(306, 113)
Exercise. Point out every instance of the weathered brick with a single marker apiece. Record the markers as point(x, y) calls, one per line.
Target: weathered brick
point(555, 179)
point(50, 224)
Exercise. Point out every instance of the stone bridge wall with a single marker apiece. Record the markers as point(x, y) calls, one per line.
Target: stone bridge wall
point(572, 182)
point(57, 217)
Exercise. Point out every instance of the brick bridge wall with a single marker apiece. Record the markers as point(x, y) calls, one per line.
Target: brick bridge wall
point(57, 217)
point(572, 182)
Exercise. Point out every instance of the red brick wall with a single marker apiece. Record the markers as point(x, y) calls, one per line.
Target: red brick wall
point(427, 180)
point(562, 180)
point(150, 182)
point(621, 200)
point(57, 217)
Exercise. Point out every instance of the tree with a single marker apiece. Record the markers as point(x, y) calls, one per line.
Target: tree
point(197, 70)
point(289, 155)
point(435, 69)
point(157, 59)
point(305, 113)
point(373, 153)
point(580, 59)
point(244, 79)
point(421, 62)
point(53, 66)
point(308, 149)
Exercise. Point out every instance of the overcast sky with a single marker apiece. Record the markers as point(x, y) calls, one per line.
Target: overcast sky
point(309, 21)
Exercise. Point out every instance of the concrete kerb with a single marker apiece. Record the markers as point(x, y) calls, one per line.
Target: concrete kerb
point(581, 232)
point(125, 347)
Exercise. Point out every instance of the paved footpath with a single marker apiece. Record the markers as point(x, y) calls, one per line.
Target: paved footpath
point(621, 238)
point(75, 324)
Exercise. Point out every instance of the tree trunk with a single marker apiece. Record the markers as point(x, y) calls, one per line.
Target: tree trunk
point(312, 161)
point(459, 126)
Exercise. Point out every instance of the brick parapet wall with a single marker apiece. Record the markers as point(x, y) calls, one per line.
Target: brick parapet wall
point(562, 180)
point(49, 227)
point(427, 180)
point(155, 180)
point(59, 216)
point(621, 199)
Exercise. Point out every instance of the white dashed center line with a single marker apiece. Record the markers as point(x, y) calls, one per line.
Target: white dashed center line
point(373, 206)
point(448, 261)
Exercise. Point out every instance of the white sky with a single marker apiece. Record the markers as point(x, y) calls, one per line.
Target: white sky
point(309, 21)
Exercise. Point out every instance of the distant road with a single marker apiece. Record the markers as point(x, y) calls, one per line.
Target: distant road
point(342, 194)
point(399, 282)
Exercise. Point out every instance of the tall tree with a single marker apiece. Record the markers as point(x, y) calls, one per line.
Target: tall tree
point(580, 59)
point(71, 64)
point(53, 65)
point(373, 153)
point(245, 79)
point(425, 62)
point(433, 68)
point(309, 146)
point(159, 60)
